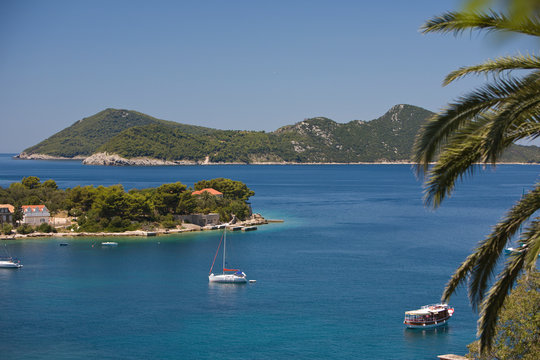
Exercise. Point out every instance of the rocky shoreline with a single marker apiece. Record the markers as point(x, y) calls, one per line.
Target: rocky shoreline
point(106, 159)
point(185, 228)
point(25, 156)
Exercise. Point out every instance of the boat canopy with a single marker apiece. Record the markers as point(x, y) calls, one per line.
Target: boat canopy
point(418, 312)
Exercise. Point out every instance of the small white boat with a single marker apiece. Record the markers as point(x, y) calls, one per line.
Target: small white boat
point(7, 261)
point(515, 250)
point(428, 316)
point(109, 243)
point(229, 276)
point(10, 263)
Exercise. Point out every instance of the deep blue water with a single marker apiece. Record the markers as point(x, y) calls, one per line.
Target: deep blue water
point(356, 250)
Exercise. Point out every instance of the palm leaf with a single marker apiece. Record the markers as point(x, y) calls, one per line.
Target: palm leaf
point(481, 263)
point(458, 22)
point(496, 66)
point(492, 248)
point(494, 301)
point(436, 131)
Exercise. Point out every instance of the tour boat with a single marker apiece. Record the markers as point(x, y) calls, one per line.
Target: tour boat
point(230, 276)
point(428, 316)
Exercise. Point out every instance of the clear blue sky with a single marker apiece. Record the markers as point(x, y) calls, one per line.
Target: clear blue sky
point(254, 65)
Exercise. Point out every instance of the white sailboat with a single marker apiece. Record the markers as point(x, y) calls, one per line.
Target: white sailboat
point(230, 276)
point(7, 262)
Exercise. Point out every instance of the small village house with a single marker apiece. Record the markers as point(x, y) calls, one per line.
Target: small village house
point(7, 212)
point(211, 191)
point(35, 215)
point(199, 219)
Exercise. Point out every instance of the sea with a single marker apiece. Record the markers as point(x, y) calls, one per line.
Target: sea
point(357, 249)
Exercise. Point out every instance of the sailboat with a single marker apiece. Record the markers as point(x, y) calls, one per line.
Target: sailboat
point(230, 276)
point(8, 262)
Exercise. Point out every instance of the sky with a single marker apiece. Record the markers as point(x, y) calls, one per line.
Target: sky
point(250, 65)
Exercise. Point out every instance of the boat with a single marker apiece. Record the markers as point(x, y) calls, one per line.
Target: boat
point(64, 244)
point(428, 316)
point(229, 276)
point(515, 250)
point(249, 228)
point(10, 263)
point(7, 262)
point(109, 243)
point(511, 250)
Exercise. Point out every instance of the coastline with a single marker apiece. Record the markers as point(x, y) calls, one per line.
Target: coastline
point(104, 159)
point(186, 228)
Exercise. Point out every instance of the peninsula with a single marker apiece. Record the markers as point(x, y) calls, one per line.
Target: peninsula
point(125, 137)
point(32, 206)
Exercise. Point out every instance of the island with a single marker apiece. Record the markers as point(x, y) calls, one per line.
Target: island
point(125, 137)
point(35, 208)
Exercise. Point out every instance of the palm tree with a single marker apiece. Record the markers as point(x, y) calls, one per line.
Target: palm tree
point(476, 129)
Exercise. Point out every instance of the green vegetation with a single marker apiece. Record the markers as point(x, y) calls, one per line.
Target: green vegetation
point(517, 333)
point(113, 209)
point(86, 135)
point(6, 229)
point(478, 128)
point(131, 134)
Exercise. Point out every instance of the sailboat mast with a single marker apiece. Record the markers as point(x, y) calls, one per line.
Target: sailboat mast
point(224, 247)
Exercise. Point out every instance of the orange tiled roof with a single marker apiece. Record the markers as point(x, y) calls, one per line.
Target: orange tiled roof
point(210, 190)
point(11, 208)
point(33, 207)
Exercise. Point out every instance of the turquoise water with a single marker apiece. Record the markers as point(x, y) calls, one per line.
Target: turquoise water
point(356, 250)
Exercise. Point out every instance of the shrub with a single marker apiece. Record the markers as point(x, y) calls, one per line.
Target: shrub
point(25, 229)
point(6, 229)
point(46, 228)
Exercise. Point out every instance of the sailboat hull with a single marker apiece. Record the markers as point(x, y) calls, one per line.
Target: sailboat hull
point(8, 264)
point(228, 278)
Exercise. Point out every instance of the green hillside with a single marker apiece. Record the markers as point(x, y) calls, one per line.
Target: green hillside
point(86, 135)
point(319, 140)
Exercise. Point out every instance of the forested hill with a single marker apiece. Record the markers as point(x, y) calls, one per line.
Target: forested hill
point(132, 135)
point(86, 135)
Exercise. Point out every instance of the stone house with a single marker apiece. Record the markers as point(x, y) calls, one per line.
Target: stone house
point(35, 215)
point(199, 219)
point(6, 213)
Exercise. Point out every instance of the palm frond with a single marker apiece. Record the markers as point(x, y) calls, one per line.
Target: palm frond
point(481, 263)
point(493, 246)
point(496, 66)
point(457, 158)
point(531, 242)
point(458, 22)
point(519, 108)
point(436, 131)
point(494, 301)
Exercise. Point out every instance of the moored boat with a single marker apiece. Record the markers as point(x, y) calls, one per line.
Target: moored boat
point(249, 228)
point(230, 276)
point(10, 263)
point(428, 316)
point(109, 243)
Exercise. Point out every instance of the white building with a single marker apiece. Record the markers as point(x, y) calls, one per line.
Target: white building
point(35, 214)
